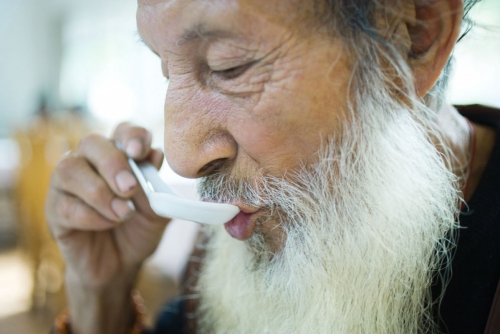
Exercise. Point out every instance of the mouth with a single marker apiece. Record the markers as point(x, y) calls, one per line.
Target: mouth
point(242, 226)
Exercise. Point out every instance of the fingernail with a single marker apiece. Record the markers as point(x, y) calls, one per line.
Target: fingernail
point(134, 148)
point(125, 181)
point(122, 208)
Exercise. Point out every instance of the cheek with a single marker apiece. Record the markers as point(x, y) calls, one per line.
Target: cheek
point(287, 128)
point(276, 134)
point(284, 124)
point(273, 151)
point(288, 123)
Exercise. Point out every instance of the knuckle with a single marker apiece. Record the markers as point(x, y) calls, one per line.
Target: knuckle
point(90, 140)
point(121, 128)
point(66, 208)
point(140, 131)
point(97, 192)
point(66, 164)
point(66, 169)
point(112, 162)
point(124, 125)
point(127, 130)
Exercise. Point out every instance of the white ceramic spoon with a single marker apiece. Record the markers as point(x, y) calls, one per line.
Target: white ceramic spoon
point(166, 203)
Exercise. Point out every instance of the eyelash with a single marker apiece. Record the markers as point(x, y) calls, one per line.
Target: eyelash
point(234, 72)
point(230, 73)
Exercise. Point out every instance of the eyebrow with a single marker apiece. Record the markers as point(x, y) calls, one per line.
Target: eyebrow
point(201, 31)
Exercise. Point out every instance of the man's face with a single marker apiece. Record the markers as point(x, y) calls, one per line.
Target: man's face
point(254, 94)
point(252, 88)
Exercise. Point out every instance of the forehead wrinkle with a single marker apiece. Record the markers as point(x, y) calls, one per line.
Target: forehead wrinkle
point(202, 31)
point(198, 28)
point(195, 18)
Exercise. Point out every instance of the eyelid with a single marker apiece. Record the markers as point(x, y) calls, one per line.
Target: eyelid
point(235, 71)
point(227, 64)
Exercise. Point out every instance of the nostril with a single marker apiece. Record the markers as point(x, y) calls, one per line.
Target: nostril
point(211, 167)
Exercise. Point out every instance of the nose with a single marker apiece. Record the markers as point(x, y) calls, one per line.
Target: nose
point(197, 141)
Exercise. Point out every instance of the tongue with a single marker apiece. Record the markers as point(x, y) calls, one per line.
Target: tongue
point(240, 227)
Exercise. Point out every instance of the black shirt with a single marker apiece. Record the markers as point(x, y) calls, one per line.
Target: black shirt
point(476, 263)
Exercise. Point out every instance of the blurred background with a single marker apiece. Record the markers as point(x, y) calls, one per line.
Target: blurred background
point(68, 67)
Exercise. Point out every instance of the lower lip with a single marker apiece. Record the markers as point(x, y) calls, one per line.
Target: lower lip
point(242, 226)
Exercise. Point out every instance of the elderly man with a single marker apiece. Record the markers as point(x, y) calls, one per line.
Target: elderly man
point(324, 122)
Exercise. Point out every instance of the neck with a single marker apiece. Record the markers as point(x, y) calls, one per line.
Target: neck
point(457, 134)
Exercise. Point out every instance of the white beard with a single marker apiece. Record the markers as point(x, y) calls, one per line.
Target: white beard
point(365, 230)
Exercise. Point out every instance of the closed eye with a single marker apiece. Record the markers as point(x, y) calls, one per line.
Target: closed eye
point(234, 72)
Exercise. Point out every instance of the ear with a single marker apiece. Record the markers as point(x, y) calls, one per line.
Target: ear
point(433, 31)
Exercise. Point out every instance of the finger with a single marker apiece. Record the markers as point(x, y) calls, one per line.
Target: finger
point(71, 213)
point(111, 164)
point(74, 175)
point(135, 140)
point(156, 158)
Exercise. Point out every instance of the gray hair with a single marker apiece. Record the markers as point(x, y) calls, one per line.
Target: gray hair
point(355, 22)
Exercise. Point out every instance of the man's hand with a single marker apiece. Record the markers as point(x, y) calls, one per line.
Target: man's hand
point(103, 237)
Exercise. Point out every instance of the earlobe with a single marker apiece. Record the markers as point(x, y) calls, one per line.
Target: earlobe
point(433, 32)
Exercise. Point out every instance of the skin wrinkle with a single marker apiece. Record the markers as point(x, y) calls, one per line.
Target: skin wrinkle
point(267, 67)
point(269, 56)
point(280, 126)
point(329, 72)
point(289, 63)
point(248, 84)
point(266, 64)
point(275, 72)
point(225, 52)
